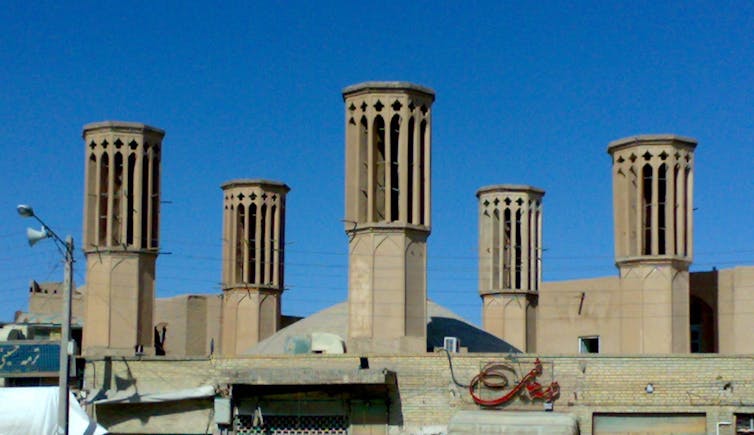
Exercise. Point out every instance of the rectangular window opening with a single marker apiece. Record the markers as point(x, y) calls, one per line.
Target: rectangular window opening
point(744, 423)
point(590, 344)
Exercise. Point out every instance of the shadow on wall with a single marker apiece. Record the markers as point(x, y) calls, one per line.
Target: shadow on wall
point(471, 337)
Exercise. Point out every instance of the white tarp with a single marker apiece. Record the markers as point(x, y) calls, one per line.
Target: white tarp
point(34, 410)
point(131, 396)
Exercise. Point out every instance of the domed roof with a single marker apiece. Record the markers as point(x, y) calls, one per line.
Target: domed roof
point(441, 323)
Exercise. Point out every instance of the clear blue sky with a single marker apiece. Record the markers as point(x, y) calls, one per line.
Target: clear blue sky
point(527, 93)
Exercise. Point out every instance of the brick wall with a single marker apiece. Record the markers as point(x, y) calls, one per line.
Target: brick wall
point(718, 386)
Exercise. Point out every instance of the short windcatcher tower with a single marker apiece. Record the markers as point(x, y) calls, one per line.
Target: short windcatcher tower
point(253, 258)
point(510, 265)
point(121, 235)
point(388, 144)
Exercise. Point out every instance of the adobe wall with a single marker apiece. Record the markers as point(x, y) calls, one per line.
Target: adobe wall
point(717, 386)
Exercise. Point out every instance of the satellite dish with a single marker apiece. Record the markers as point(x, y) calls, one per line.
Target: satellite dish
point(36, 235)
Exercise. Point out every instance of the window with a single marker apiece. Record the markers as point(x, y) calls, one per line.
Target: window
point(744, 423)
point(589, 344)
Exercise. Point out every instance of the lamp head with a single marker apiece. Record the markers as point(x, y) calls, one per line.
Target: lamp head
point(25, 210)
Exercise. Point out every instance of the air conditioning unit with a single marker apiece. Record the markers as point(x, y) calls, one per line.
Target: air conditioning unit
point(451, 344)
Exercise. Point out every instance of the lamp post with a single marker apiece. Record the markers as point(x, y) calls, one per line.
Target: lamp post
point(66, 348)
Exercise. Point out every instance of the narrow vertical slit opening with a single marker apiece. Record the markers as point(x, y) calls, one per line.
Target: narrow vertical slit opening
point(538, 244)
point(130, 199)
point(662, 191)
point(117, 221)
point(281, 246)
point(410, 173)
point(363, 171)
point(91, 200)
point(517, 250)
point(144, 199)
point(676, 222)
point(647, 207)
point(252, 244)
point(155, 201)
point(395, 128)
point(273, 248)
point(240, 242)
point(507, 252)
point(496, 249)
point(104, 172)
point(263, 244)
point(686, 210)
point(422, 176)
point(632, 201)
point(379, 168)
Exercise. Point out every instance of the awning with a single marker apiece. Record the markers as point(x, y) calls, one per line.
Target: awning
point(309, 376)
point(133, 396)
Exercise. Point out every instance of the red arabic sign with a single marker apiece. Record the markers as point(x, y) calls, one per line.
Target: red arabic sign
point(493, 376)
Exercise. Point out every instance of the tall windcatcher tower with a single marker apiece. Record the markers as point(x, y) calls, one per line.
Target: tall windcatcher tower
point(510, 265)
point(653, 183)
point(121, 235)
point(253, 258)
point(388, 148)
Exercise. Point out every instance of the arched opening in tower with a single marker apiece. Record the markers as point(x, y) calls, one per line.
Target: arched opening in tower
point(104, 172)
point(411, 173)
point(130, 199)
point(662, 192)
point(117, 222)
point(363, 171)
point(395, 125)
point(378, 140)
point(647, 208)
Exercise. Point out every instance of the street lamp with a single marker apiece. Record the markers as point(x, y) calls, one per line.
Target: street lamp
point(66, 348)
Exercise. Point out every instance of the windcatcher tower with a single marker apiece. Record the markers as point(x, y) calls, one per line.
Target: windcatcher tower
point(121, 235)
point(388, 145)
point(653, 182)
point(253, 247)
point(510, 265)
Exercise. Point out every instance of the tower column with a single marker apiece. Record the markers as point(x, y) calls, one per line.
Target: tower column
point(655, 258)
point(120, 271)
point(253, 246)
point(509, 272)
point(387, 245)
